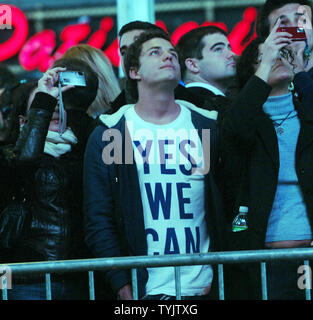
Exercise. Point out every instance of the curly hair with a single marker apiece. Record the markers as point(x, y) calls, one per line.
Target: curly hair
point(133, 54)
point(249, 58)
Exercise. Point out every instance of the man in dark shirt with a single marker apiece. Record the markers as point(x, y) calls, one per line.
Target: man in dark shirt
point(208, 64)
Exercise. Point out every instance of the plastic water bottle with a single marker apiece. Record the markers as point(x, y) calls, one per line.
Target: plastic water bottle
point(240, 223)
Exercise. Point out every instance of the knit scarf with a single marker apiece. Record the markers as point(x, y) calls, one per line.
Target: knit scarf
point(57, 145)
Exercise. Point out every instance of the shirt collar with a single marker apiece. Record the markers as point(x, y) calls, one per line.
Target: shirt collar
point(207, 86)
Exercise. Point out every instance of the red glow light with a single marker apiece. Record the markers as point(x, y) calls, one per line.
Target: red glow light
point(37, 52)
point(19, 23)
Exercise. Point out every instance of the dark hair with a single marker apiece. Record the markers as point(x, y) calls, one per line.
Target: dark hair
point(15, 100)
point(79, 97)
point(77, 100)
point(8, 79)
point(247, 61)
point(138, 25)
point(191, 44)
point(133, 54)
point(8, 82)
point(263, 25)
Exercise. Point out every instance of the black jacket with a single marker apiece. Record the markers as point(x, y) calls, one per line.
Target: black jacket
point(250, 142)
point(249, 135)
point(52, 188)
point(215, 102)
point(113, 200)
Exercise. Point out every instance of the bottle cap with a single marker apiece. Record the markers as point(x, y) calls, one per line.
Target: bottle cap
point(243, 209)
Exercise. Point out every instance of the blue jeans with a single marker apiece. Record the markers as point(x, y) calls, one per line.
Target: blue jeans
point(60, 290)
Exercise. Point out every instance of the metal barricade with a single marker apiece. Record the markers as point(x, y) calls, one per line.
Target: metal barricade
point(134, 262)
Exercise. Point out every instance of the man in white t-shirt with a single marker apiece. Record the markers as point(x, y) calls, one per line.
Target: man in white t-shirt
point(158, 196)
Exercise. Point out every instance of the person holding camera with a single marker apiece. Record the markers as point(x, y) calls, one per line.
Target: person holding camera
point(47, 159)
point(296, 19)
point(271, 132)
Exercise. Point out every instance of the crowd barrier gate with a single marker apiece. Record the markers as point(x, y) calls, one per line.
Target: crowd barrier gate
point(177, 260)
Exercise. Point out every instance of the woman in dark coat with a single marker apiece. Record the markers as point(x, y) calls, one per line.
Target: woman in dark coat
point(272, 135)
point(47, 159)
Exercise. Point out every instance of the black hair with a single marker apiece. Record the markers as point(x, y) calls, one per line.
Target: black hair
point(249, 58)
point(191, 44)
point(138, 25)
point(133, 54)
point(8, 82)
point(247, 61)
point(8, 79)
point(77, 100)
point(263, 25)
point(79, 97)
point(15, 100)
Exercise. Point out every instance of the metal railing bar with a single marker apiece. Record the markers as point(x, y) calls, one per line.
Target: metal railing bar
point(135, 284)
point(161, 261)
point(263, 281)
point(213, 258)
point(221, 282)
point(48, 286)
point(177, 283)
point(91, 283)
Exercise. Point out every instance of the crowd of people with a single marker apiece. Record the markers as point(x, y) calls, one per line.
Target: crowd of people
point(198, 150)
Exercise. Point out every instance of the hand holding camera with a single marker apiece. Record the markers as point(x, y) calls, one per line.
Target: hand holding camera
point(48, 83)
point(301, 46)
point(273, 45)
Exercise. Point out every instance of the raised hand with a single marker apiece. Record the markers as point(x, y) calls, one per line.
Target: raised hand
point(47, 83)
point(271, 50)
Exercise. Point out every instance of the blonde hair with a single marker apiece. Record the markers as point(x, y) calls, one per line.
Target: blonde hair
point(108, 88)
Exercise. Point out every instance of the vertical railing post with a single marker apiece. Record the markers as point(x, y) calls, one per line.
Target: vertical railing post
point(135, 284)
point(221, 282)
point(91, 285)
point(309, 281)
point(4, 294)
point(48, 286)
point(177, 283)
point(263, 281)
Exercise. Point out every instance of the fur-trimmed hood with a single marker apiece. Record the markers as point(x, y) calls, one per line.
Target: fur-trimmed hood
point(110, 120)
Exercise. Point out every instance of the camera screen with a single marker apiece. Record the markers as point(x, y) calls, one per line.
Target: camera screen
point(73, 78)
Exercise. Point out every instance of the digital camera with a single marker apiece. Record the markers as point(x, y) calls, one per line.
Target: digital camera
point(298, 34)
point(72, 78)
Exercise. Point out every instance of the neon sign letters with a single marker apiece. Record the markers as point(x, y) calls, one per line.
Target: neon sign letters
point(39, 51)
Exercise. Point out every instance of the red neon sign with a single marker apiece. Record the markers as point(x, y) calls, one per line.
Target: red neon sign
point(37, 51)
point(12, 17)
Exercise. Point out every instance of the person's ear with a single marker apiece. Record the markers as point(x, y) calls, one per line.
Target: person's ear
point(134, 73)
point(192, 65)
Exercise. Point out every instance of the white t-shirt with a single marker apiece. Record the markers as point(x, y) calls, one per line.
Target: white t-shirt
point(172, 198)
